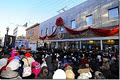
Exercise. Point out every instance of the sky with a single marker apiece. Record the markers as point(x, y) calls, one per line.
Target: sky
point(18, 12)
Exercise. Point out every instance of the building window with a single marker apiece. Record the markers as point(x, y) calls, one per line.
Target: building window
point(89, 20)
point(46, 31)
point(53, 28)
point(113, 13)
point(73, 24)
point(61, 29)
point(41, 32)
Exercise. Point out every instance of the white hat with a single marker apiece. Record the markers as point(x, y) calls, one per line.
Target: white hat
point(3, 62)
point(14, 64)
point(59, 74)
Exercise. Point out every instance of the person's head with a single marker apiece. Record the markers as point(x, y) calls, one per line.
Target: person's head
point(44, 71)
point(27, 55)
point(69, 74)
point(99, 75)
point(36, 68)
point(59, 74)
point(13, 65)
point(3, 62)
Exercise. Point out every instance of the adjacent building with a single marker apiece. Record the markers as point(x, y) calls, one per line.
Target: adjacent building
point(32, 36)
point(91, 14)
point(20, 33)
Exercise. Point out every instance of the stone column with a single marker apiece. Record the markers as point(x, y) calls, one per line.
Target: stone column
point(80, 45)
point(101, 45)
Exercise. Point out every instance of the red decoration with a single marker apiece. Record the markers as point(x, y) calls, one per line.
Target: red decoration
point(74, 31)
point(52, 35)
point(105, 32)
point(100, 32)
point(42, 38)
point(59, 21)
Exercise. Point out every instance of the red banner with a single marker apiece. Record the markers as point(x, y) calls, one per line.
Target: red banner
point(97, 31)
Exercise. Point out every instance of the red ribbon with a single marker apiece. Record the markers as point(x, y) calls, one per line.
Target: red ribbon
point(100, 32)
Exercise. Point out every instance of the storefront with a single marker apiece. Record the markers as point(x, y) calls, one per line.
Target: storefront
point(87, 43)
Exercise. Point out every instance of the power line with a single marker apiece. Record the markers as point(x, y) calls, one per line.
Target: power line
point(43, 12)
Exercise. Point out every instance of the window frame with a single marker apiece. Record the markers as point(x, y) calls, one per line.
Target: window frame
point(41, 32)
point(86, 19)
point(109, 14)
point(61, 29)
point(53, 28)
point(75, 24)
point(46, 31)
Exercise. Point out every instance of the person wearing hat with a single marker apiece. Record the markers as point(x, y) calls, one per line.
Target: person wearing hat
point(45, 73)
point(3, 62)
point(28, 60)
point(11, 70)
point(84, 72)
point(99, 75)
point(36, 68)
point(59, 74)
point(69, 72)
point(13, 53)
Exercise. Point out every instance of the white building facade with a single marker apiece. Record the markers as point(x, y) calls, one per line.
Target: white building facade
point(19, 31)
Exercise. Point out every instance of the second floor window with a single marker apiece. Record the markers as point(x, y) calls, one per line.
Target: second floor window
point(113, 13)
point(73, 24)
point(41, 32)
point(53, 28)
point(46, 31)
point(61, 29)
point(89, 20)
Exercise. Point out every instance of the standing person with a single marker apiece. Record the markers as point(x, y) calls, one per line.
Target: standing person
point(11, 71)
point(27, 58)
point(36, 68)
point(50, 64)
point(27, 71)
point(59, 74)
point(84, 72)
point(45, 73)
point(22, 47)
point(13, 52)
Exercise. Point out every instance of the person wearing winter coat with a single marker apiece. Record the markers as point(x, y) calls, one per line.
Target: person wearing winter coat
point(69, 72)
point(36, 68)
point(11, 70)
point(84, 73)
point(13, 53)
point(50, 64)
point(59, 74)
point(28, 60)
point(45, 73)
point(44, 63)
point(3, 62)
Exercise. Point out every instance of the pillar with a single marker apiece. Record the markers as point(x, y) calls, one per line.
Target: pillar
point(80, 45)
point(56, 45)
point(101, 45)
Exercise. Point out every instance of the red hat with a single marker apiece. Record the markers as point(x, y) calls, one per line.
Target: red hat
point(27, 55)
point(17, 54)
point(66, 65)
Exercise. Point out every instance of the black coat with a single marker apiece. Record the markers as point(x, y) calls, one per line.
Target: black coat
point(50, 64)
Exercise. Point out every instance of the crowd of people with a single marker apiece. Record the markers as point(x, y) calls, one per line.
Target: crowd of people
point(59, 63)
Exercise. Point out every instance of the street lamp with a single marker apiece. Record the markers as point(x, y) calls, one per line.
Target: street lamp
point(6, 37)
point(7, 30)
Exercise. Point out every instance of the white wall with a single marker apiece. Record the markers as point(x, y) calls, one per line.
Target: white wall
point(21, 30)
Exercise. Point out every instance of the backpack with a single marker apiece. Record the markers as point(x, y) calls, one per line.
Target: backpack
point(27, 71)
